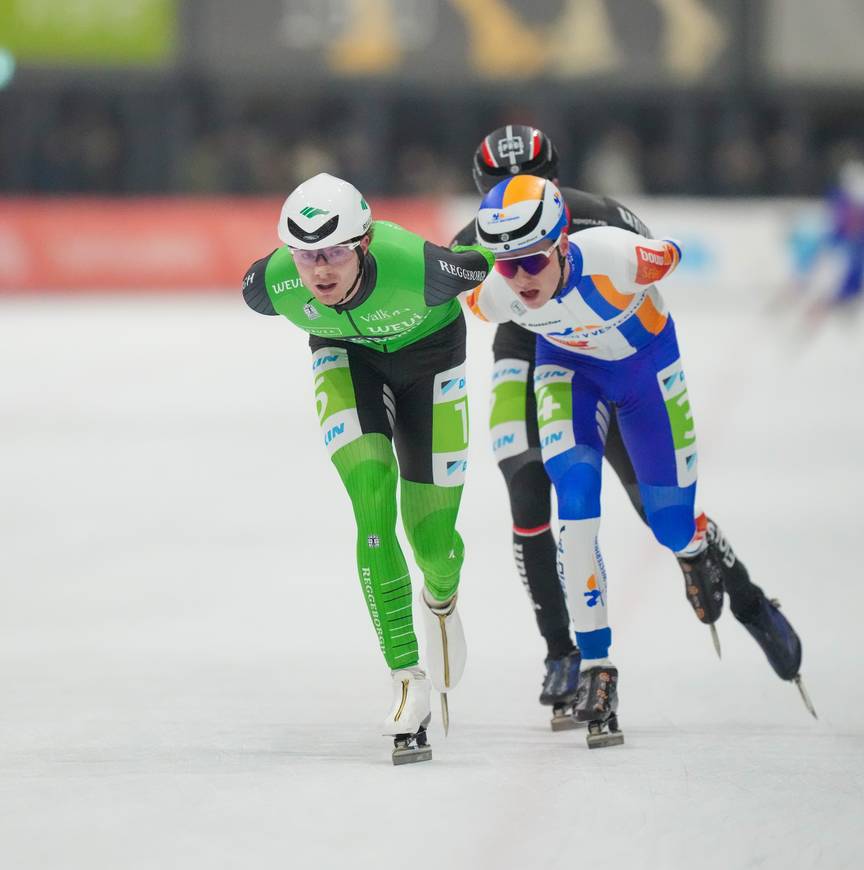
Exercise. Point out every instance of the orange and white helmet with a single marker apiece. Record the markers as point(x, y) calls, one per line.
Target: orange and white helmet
point(520, 212)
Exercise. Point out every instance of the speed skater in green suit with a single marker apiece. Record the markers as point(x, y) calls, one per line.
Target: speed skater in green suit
point(388, 361)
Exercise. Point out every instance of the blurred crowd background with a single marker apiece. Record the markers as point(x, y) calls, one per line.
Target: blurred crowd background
point(695, 97)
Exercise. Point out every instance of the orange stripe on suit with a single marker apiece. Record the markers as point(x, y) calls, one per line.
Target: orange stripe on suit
point(607, 290)
point(650, 317)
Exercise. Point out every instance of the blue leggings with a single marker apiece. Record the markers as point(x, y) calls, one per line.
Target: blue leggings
point(574, 398)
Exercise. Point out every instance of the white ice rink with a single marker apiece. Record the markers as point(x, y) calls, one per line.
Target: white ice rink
point(189, 678)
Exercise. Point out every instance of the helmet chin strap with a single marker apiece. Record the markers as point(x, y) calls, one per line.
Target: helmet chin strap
point(361, 257)
point(561, 260)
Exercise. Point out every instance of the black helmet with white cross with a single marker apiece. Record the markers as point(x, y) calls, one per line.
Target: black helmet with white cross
point(513, 150)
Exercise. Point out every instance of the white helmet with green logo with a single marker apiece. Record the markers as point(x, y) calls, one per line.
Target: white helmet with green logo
point(323, 211)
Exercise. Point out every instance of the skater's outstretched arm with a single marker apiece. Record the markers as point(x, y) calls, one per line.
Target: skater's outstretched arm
point(450, 272)
point(630, 261)
point(255, 289)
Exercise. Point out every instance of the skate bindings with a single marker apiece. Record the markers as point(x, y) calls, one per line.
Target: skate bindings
point(561, 690)
point(445, 647)
point(409, 717)
point(776, 637)
point(598, 705)
point(704, 575)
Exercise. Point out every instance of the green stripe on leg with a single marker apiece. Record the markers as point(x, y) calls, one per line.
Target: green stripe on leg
point(369, 472)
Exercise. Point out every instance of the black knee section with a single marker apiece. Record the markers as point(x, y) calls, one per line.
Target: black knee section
point(529, 489)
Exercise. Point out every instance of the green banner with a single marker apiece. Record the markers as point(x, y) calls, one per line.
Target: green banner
point(89, 32)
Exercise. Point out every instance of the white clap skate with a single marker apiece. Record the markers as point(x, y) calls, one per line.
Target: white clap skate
point(410, 715)
point(445, 647)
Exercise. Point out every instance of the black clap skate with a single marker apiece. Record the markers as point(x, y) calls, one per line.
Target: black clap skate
point(411, 748)
point(759, 615)
point(561, 690)
point(777, 639)
point(598, 705)
point(703, 577)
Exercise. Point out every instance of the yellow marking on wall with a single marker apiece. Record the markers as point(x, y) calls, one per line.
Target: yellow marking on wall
point(693, 37)
point(500, 44)
point(370, 45)
point(593, 51)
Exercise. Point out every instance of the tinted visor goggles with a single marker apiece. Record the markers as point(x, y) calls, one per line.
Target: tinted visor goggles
point(533, 264)
point(335, 255)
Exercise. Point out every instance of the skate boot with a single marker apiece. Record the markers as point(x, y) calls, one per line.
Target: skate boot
point(409, 717)
point(561, 690)
point(598, 705)
point(704, 574)
point(759, 615)
point(445, 648)
point(776, 637)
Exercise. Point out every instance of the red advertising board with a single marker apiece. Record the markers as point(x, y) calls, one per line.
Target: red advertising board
point(164, 244)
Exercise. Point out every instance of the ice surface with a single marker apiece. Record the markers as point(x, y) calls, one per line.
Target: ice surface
point(189, 677)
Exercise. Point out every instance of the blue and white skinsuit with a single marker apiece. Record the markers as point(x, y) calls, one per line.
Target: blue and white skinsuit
point(605, 339)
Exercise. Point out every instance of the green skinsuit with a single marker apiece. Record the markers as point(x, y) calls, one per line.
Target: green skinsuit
point(389, 370)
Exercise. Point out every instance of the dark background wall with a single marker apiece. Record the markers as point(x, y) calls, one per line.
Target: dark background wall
point(703, 97)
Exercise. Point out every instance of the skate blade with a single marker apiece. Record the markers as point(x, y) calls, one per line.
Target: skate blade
point(445, 713)
point(584, 717)
point(804, 696)
point(562, 721)
point(599, 741)
point(412, 754)
point(716, 640)
point(565, 723)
